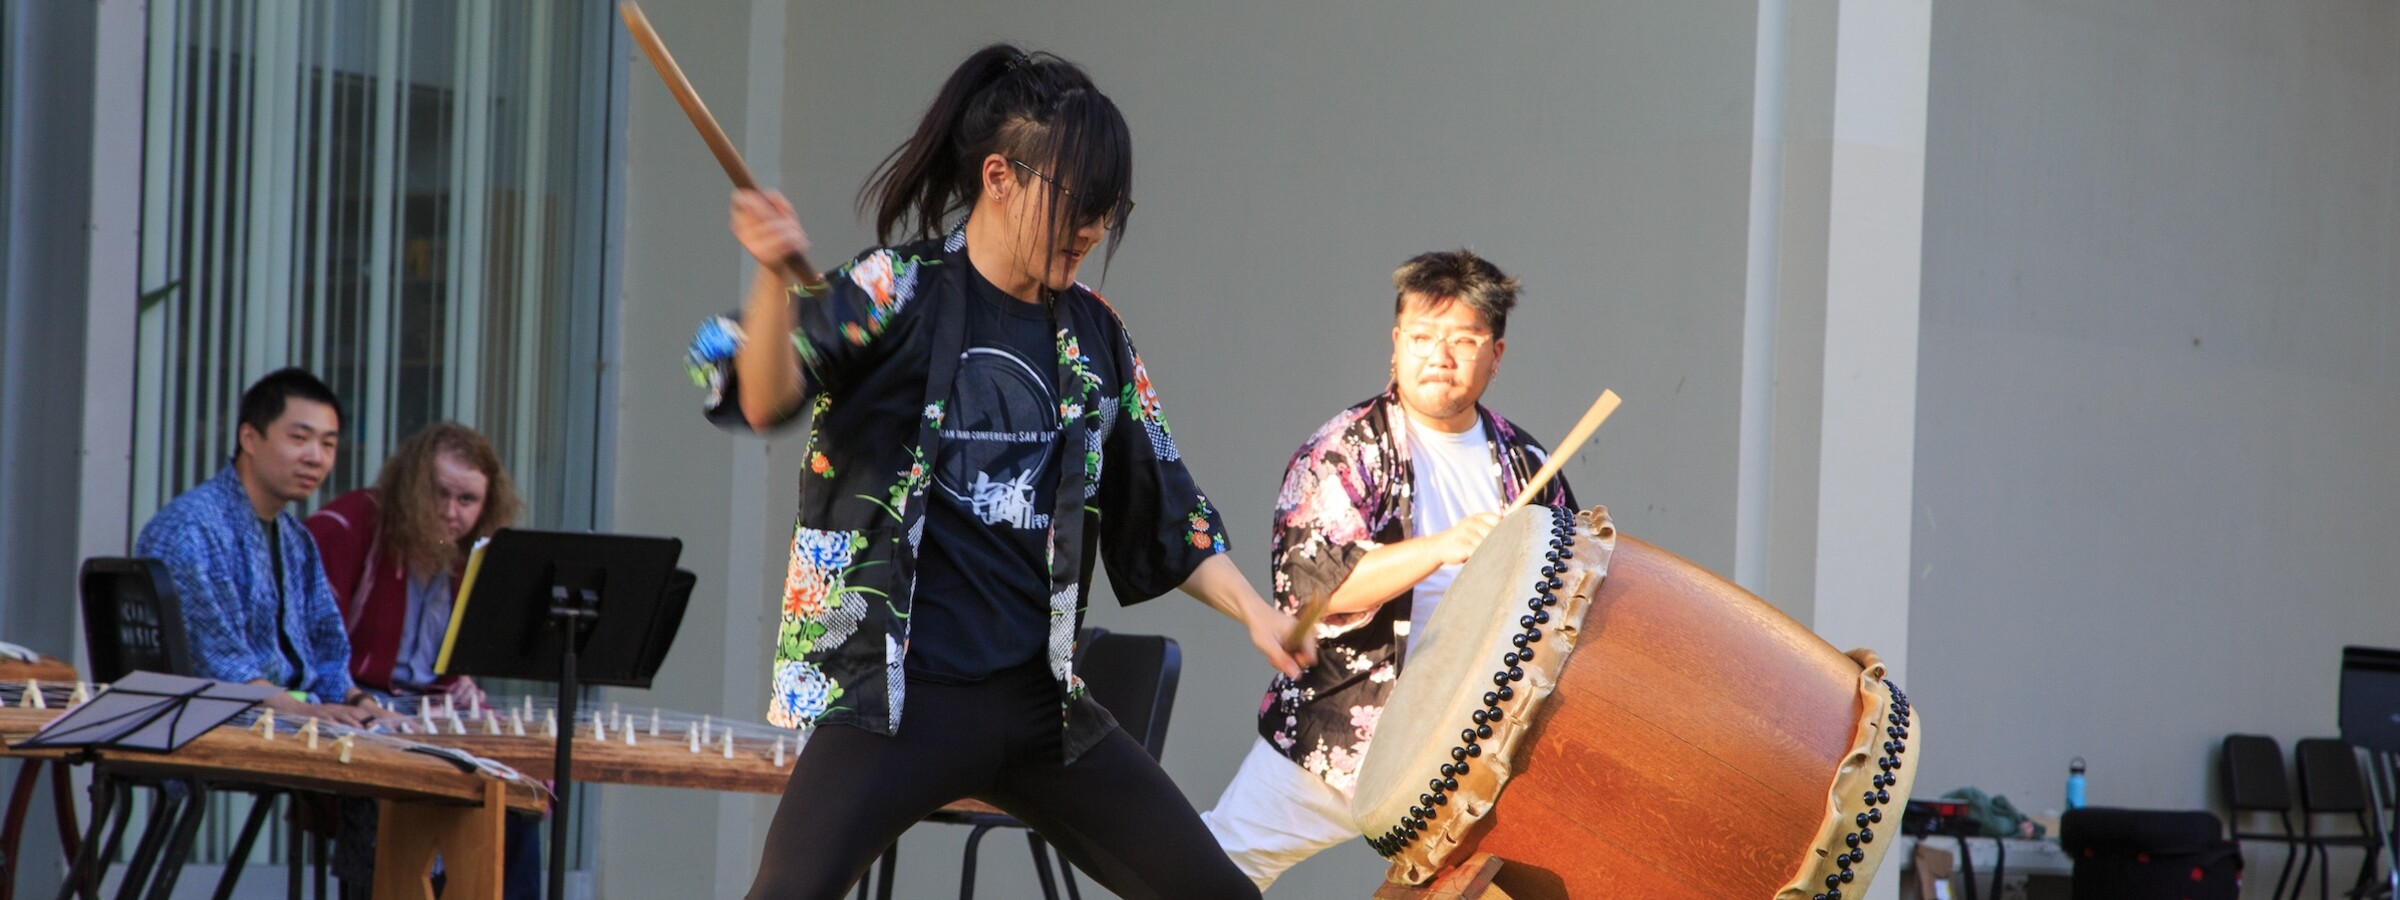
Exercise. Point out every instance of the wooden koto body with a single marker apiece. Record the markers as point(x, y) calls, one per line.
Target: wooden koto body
point(430, 808)
point(46, 670)
point(379, 769)
point(661, 762)
point(662, 751)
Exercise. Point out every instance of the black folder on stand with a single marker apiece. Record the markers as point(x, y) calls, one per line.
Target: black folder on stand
point(504, 624)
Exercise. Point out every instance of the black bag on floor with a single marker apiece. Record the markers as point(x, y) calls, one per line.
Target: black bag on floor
point(2141, 854)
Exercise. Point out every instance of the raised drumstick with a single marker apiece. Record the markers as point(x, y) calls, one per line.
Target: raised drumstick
point(795, 265)
point(1566, 449)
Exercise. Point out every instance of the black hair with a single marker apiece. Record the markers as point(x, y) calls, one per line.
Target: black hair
point(263, 402)
point(1446, 275)
point(1034, 108)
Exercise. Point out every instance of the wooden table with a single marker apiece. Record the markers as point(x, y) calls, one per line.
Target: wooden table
point(2037, 869)
point(1469, 880)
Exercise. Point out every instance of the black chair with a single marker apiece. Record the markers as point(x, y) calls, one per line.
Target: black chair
point(1134, 677)
point(133, 621)
point(2331, 785)
point(2257, 783)
point(132, 618)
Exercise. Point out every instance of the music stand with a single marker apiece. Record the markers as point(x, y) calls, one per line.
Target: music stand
point(148, 712)
point(574, 608)
point(2370, 711)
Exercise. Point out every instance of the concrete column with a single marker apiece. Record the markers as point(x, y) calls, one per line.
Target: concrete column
point(1874, 252)
point(1829, 349)
point(112, 280)
point(66, 364)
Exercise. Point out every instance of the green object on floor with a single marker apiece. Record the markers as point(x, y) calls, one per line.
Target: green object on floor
point(1994, 814)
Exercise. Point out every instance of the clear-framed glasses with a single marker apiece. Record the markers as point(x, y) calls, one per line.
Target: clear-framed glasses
point(1123, 208)
point(1462, 344)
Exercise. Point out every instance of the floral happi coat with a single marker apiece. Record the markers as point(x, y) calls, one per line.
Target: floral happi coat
point(880, 346)
point(1349, 490)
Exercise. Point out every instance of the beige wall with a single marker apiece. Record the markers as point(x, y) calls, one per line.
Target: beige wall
point(2155, 480)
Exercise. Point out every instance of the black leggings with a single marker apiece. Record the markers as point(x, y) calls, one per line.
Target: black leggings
point(1114, 813)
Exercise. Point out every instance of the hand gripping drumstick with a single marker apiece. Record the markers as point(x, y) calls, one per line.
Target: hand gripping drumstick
point(1314, 610)
point(795, 265)
point(1311, 613)
point(1592, 418)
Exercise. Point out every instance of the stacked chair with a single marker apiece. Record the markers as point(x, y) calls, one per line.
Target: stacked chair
point(2258, 785)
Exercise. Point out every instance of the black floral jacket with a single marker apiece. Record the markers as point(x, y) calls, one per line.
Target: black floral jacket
point(1349, 490)
point(880, 346)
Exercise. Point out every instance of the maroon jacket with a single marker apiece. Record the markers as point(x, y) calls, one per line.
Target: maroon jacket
point(370, 587)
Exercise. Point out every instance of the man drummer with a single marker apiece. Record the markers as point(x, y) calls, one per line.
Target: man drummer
point(1381, 504)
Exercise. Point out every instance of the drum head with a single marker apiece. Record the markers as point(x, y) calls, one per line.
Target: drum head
point(1464, 654)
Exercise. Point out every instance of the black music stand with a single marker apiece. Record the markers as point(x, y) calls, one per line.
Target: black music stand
point(148, 712)
point(2370, 710)
point(574, 608)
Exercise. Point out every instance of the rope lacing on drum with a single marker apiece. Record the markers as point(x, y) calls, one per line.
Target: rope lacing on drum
point(1895, 744)
point(1512, 669)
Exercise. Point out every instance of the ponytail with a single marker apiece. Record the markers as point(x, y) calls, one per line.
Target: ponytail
point(1036, 108)
point(922, 175)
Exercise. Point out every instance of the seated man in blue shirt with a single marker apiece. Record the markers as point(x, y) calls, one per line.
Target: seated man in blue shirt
point(256, 604)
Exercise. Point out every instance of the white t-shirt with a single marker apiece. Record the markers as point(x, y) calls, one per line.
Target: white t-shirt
point(1454, 480)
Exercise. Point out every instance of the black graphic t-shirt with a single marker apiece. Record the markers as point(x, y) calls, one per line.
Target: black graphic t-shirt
point(983, 572)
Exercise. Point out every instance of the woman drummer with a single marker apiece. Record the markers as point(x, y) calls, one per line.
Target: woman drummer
point(976, 415)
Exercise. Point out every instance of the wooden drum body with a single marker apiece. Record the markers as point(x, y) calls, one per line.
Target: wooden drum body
point(1671, 736)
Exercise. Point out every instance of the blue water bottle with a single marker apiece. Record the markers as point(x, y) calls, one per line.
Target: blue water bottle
point(2075, 784)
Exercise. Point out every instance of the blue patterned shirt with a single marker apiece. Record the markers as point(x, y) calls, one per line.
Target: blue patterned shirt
point(216, 549)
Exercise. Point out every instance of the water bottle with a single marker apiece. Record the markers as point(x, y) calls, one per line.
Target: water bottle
point(2075, 783)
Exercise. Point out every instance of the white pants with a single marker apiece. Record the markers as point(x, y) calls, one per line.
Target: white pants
point(1276, 814)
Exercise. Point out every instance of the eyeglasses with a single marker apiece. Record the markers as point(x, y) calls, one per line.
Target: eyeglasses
point(1123, 208)
point(1462, 344)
